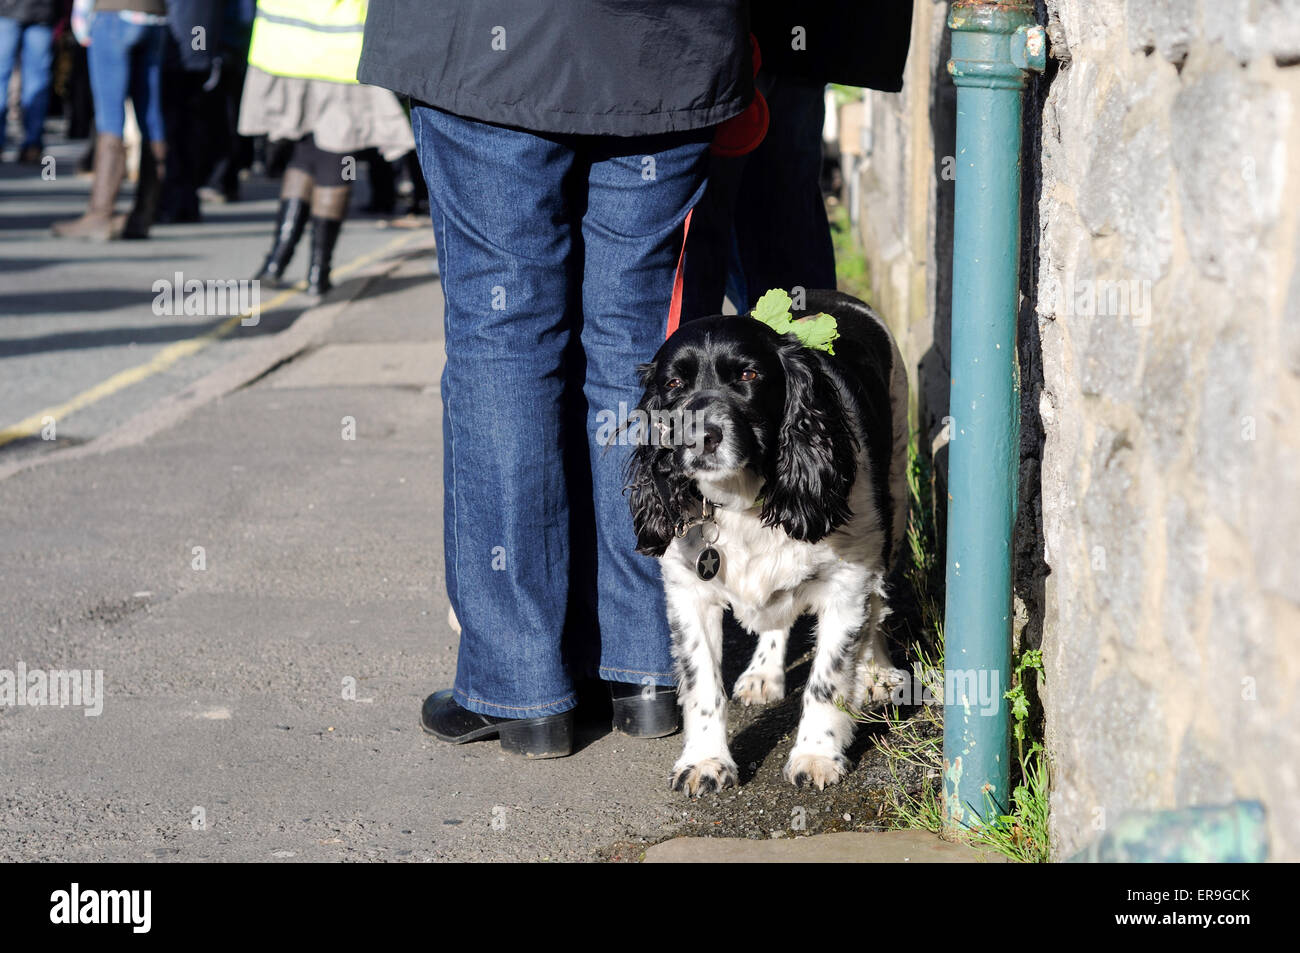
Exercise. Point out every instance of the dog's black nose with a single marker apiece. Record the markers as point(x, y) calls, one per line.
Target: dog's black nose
point(712, 438)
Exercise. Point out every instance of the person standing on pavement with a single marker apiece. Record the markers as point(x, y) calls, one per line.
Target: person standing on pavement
point(27, 32)
point(191, 70)
point(124, 40)
point(302, 87)
point(229, 152)
point(563, 144)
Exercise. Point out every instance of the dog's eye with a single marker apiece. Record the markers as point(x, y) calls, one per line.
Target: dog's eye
point(673, 384)
point(748, 374)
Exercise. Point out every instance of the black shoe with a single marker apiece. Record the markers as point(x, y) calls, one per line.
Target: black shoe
point(290, 220)
point(645, 711)
point(324, 235)
point(550, 736)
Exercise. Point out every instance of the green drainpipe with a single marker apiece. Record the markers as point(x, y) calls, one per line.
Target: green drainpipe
point(994, 46)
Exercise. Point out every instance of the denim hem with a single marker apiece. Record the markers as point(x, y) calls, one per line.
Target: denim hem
point(510, 711)
point(632, 677)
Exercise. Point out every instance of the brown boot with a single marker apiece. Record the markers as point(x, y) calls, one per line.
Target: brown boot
point(148, 190)
point(110, 168)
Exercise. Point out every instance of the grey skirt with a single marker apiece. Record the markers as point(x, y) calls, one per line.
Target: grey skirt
point(342, 117)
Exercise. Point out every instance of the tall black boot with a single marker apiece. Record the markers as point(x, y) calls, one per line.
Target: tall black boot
point(324, 235)
point(290, 220)
point(328, 207)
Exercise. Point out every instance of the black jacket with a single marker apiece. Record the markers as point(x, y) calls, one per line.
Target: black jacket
point(604, 67)
point(29, 11)
point(855, 42)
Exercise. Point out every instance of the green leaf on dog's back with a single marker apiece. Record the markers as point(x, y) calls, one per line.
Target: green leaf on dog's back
point(773, 308)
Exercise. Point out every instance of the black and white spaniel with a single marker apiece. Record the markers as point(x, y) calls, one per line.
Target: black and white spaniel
point(773, 481)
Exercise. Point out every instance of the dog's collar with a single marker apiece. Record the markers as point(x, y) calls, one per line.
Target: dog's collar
point(685, 525)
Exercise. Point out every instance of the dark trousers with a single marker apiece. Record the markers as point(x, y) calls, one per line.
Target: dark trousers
point(79, 105)
point(186, 111)
point(762, 223)
point(230, 152)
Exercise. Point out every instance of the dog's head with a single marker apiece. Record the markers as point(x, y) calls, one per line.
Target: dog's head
point(729, 403)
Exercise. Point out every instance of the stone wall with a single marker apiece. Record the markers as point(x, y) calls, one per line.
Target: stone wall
point(1158, 556)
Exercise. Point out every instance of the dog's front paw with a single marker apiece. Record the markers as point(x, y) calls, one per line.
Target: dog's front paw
point(704, 777)
point(816, 770)
point(759, 688)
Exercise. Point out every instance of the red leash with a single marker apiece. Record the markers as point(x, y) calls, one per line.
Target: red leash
point(675, 307)
point(737, 136)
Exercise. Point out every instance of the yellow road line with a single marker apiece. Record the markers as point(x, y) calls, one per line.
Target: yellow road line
point(174, 352)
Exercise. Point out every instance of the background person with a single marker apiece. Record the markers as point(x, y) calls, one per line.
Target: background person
point(191, 70)
point(229, 152)
point(124, 40)
point(27, 33)
point(301, 87)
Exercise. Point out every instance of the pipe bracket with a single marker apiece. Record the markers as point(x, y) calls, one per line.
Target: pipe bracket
point(1029, 48)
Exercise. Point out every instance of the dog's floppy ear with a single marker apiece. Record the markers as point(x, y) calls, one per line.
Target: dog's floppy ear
point(807, 492)
point(650, 519)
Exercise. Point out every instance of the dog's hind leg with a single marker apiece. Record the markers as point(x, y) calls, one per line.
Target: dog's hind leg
point(705, 764)
point(764, 680)
point(877, 679)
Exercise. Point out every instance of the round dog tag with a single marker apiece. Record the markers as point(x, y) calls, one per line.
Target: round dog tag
point(708, 563)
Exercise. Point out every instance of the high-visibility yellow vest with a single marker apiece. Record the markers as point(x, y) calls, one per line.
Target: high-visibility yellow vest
point(311, 39)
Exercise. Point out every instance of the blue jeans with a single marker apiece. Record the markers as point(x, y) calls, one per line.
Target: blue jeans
point(126, 59)
point(557, 256)
point(36, 42)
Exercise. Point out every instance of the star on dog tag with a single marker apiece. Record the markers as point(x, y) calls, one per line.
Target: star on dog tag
point(708, 563)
